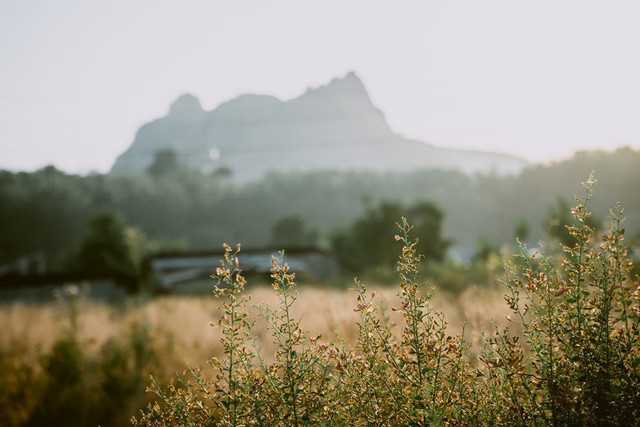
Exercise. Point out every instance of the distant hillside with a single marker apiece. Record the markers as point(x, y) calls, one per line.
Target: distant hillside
point(332, 127)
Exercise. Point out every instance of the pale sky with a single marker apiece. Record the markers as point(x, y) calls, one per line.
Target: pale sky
point(538, 79)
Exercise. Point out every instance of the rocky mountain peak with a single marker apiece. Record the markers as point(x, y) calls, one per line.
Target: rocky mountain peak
point(186, 105)
point(330, 127)
point(348, 86)
point(350, 83)
point(346, 96)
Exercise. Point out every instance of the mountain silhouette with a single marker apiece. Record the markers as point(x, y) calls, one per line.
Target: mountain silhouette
point(331, 127)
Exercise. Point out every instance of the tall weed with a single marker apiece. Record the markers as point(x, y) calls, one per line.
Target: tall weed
point(578, 362)
point(571, 357)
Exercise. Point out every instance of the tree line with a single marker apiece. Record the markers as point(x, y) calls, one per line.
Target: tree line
point(171, 207)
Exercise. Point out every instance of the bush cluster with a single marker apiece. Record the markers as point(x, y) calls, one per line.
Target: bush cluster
point(69, 385)
point(571, 358)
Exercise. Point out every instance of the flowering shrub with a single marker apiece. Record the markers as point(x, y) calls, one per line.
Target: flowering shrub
point(577, 361)
point(572, 357)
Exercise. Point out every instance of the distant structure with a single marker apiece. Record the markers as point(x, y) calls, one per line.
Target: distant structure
point(187, 272)
point(332, 127)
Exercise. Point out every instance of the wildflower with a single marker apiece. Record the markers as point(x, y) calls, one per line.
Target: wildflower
point(360, 307)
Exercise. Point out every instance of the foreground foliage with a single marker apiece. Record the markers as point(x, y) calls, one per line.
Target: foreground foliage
point(76, 383)
point(571, 358)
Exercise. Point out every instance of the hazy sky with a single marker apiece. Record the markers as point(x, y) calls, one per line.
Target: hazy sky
point(538, 79)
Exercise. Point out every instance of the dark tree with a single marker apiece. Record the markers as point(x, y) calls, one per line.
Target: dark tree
point(165, 162)
point(292, 231)
point(369, 240)
point(105, 249)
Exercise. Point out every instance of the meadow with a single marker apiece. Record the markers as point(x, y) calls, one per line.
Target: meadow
point(173, 332)
point(555, 344)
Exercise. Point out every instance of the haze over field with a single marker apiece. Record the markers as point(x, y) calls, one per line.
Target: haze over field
point(537, 80)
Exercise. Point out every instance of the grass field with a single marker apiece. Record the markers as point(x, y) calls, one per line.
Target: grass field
point(184, 322)
point(558, 344)
point(177, 331)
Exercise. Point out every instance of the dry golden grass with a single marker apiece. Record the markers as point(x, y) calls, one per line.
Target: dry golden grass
point(183, 323)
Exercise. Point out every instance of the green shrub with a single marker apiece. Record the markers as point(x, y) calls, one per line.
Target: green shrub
point(19, 382)
point(72, 384)
point(366, 243)
point(576, 360)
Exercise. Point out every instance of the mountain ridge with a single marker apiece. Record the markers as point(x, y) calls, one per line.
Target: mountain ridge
point(334, 126)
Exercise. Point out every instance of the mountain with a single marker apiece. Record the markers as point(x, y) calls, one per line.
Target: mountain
point(332, 127)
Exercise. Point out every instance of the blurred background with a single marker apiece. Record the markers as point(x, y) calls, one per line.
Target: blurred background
point(165, 127)
point(138, 137)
